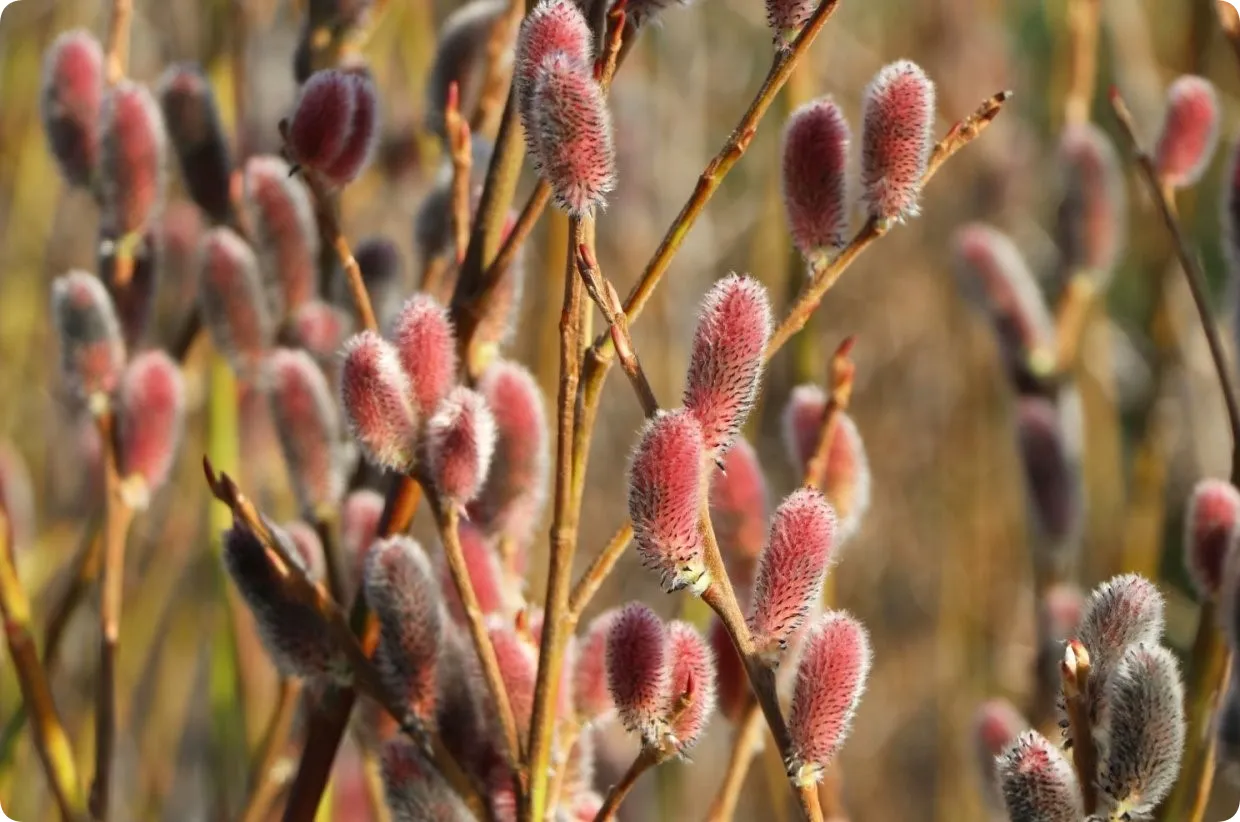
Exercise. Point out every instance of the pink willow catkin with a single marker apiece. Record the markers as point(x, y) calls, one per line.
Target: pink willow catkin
point(1038, 783)
point(306, 421)
point(591, 695)
point(70, 100)
point(1209, 531)
point(692, 695)
point(92, 352)
point(551, 26)
point(286, 236)
point(460, 439)
point(1189, 132)
point(830, 680)
point(739, 508)
point(426, 344)
point(666, 489)
point(815, 175)
point(1091, 225)
point(151, 419)
point(334, 125)
point(132, 163)
point(725, 365)
point(375, 393)
point(234, 309)
point(896, 138)
point(639, 672)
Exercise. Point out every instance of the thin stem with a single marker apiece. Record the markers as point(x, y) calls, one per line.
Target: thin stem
point(457, 130)
point(563, 534)
point(117, 53)
point(593, 577)
point(50, 739)
point(1083, 67)
point(1075, 670)
point(569, 734)
point(744, 746)
point(496, 77)
point(448, 520)
point(1071, 320)
point(264, 780)
point(117, 516)
point(646, 759)
point(842, 371)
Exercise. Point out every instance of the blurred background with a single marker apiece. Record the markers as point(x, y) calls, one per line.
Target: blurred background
point(941, 570)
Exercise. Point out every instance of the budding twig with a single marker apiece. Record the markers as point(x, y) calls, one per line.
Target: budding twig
point(457, 130)
point(118, 40)
point(1074, 670)
point(263, 779)
point(117, 516)
point(50, 739)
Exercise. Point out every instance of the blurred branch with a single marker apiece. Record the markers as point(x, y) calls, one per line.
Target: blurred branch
point(1083, 18)
point(457, 130)
point(497, 75)
point(117, 48)
point(744, 745)
point(842, 373)
point(263, 781)
point(593, 577)
point(646, 759)
point(50, 739)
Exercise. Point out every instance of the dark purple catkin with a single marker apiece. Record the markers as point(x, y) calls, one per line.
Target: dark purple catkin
point(294, 634)
point(415, 790)
point(334, 124)
point(896, 139)
point(460, 57)
point(285, 233)
point(151, 418)
point(234, 308)
point(725, 365)
point(1142, 732)
point(1038, 783)
point(665, 501)
point(135, 300)
point(815, 179)
point(739, 507)
point(132, 167)
point(639, 671)
point(92, 352)
point(71, 97)
point(306, 420)
point(197, 137)
point(1050, 480)
point(791, 570)
point(552, 26)
point(403, 591)
point(1092, 221)
point(572, 135)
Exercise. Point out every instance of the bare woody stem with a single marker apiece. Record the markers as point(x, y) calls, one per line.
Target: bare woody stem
point(50, 739)
point(495, 82)
point(117, 516)
point(262, 782)
point(458, 141)
point(744, 745)
point(1083, 41)
point(117, 53)
point(448, 520)
point(600, 567)
point(842, 372)
point(1074, 671)
point(563, 534)
point(646, 759)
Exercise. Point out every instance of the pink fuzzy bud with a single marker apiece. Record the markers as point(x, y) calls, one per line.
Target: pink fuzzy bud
point(334, 124)
point(584, 807)
point(665, 500)
point(1189, 132)
point(1209, 526)
point(993, 275)
point(460, 439)
point(461, 58)
point(786, 17)
point(376, 396)
point(791, 569)
point(16, 496)
point(639, 671)
point(896, 138)
point(92, 352)
point(1049, 475)
point(415, 790)
point(725, 367)
point(1038, 782)
point(815, 167)
point(151, 418)
point(739, 510)
point(383, 272)
point(294, 634)
point(552, 26)
point(1124, 610)
point(518, 666)
point(402, 590)
point(131, 161)
point(177, 237)
point(359, 526)
point(830, 679)
point(424, 337)
point(732, 683)
point(482, 563)
point(572, 135)
point(996, 725)
point(692, 695)
point(321, 328)
point(197, 137)
point(285, 233)
point(1142, 732)
point(233, 307)
point(72, 96)
point(1093, 214)
point(306, 547)
point(305, 419)
point(512, 500)
point(591, 694)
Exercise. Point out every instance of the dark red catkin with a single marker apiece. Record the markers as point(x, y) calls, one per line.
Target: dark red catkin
point(1209, 531)
point(1092, 221)
point(1189, 132)
point(1050, 479)
point(639, 671)
point(896, 139)
point(334, 125)
point(739, 507)
point(306, 421)
point(234, 307)
point(92, 352)
point(151, 419)
point(815, 177)
point(198, 138)
point(70, 101)
point(285, 233)
point(132, 167)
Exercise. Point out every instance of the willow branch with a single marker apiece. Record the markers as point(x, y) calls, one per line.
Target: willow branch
point(497, 74)
point(744, 746)
point(51, 742)
point(264, 781)
point(457, 130)
point(646, 759)
point(1083, 67)
point(117, 49)
point(842, 373)
point(1074, 671)
point(593, 577)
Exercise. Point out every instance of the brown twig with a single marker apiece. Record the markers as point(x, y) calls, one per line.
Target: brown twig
point(333, 236)
point(570, 732)
point(824, 275)
point(594, 576)
point(448, 519)
point(842, 373)
point(1074, 670)
point(563, 534)
point(1072, 318)
point(744, 746)
point(263, 778)
point(605, 297)
point(50, 739)
point(497, 75)
point(117, 53)
point(117, 516)
point(457, 130)
point(646, 759)
point(1083, 66)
